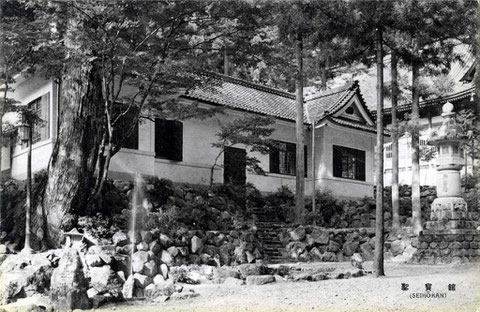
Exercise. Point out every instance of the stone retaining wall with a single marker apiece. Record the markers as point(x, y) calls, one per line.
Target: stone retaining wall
point(310, 243)
point(447, 248)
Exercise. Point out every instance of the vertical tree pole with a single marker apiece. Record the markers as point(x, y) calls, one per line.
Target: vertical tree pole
point(395, 134)
point(27, 249)
point(314, 208)
point(300, 172)
point(378, 257)
point(416, 204)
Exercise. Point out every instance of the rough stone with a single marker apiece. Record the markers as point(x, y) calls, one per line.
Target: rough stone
point(298, 234)
point(143, 246)
point(196, 245)
point(259, 279)
point(366, 251)
point(100, 277)
point(138, 260)
point(128, 290)
point(120, 238)
point(155, 247)
point(150, 268)
point(320, 237)
point(93, 260)
point(329, 257)
point(252, 269)
point(68, 287)
point(333, 246)
point(173, 251)
point(397, 247)
point(147, 236)
point(164, 270)
point(225, 272)
point(165, 241)
point(142, 281)
point(21, 275)
point(349, 248)
point(166, 257)
point(357, 261)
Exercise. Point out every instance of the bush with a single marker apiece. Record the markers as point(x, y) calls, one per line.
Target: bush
point(165, 219)
point(469, 181)
point(161, 191)
point(102, 226)
point(327, 206)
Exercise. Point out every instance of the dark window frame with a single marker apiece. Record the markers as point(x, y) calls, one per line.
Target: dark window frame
point(282, 159)
point(168, 139)
point(349, 163)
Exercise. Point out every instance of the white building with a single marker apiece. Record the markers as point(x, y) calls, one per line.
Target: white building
point(182, 150)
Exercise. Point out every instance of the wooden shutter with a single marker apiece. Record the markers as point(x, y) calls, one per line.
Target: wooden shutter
point(305, 158)
point(274, 160)
point(169, 139)
point(337, 161)
point(176, 140)
point(160, 137)
point(360, 174)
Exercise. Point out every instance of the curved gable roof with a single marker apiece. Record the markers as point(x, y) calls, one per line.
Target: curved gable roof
point(243, 95)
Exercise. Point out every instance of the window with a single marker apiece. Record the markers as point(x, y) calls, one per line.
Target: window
point(388, 150)
point(168, 139)
point(283, 158)
point(123, 127)
point(348, 163)
point(41, 107)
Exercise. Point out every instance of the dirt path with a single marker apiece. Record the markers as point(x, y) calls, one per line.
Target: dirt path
point(357, 294)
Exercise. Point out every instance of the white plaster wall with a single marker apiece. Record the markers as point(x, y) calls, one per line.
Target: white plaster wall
point(5, 164)
point(25, 92)
point(329, 135)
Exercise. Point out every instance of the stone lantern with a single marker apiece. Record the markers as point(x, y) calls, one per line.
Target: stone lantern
point(449, 212)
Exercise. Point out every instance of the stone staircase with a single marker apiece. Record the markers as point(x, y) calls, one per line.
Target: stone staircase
point(268, 230)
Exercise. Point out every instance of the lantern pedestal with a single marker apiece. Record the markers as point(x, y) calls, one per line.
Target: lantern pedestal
point(450, 236)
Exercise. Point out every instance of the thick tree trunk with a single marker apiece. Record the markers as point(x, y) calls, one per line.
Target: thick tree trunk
point(300, 162)
point(395, 134)
point(378, 256)
point(416, 205)
point(74, 157)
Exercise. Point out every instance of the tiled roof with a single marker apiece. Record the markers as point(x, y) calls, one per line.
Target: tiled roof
point(432, 102)
point(242, 95)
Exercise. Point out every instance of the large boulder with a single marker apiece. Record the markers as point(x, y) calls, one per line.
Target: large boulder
point(357, 261)
point(298, 234)
point(120, 238)
point(196, 245)
point(259, 279)
point(366, 251)
point(128, 289)
point(349, 248)
point(248, 269)
point(320, 237)
point(138, 260)
point(397, 247)
point(150, 268)
point(166, 257)
point(100, 277)
point(24, 275)
point(68, 288)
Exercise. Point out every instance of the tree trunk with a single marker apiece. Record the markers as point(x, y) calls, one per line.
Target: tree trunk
point(395, 134)
point(74, 157)
point(416, 205)
point(378, 256)
point(300, 164)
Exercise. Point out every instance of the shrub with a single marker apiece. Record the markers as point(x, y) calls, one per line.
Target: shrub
point(166, 219)
point(327, 206)
point(161, 191)
point(102, 226)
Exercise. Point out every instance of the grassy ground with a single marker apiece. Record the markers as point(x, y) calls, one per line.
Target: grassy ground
point(356, 294)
